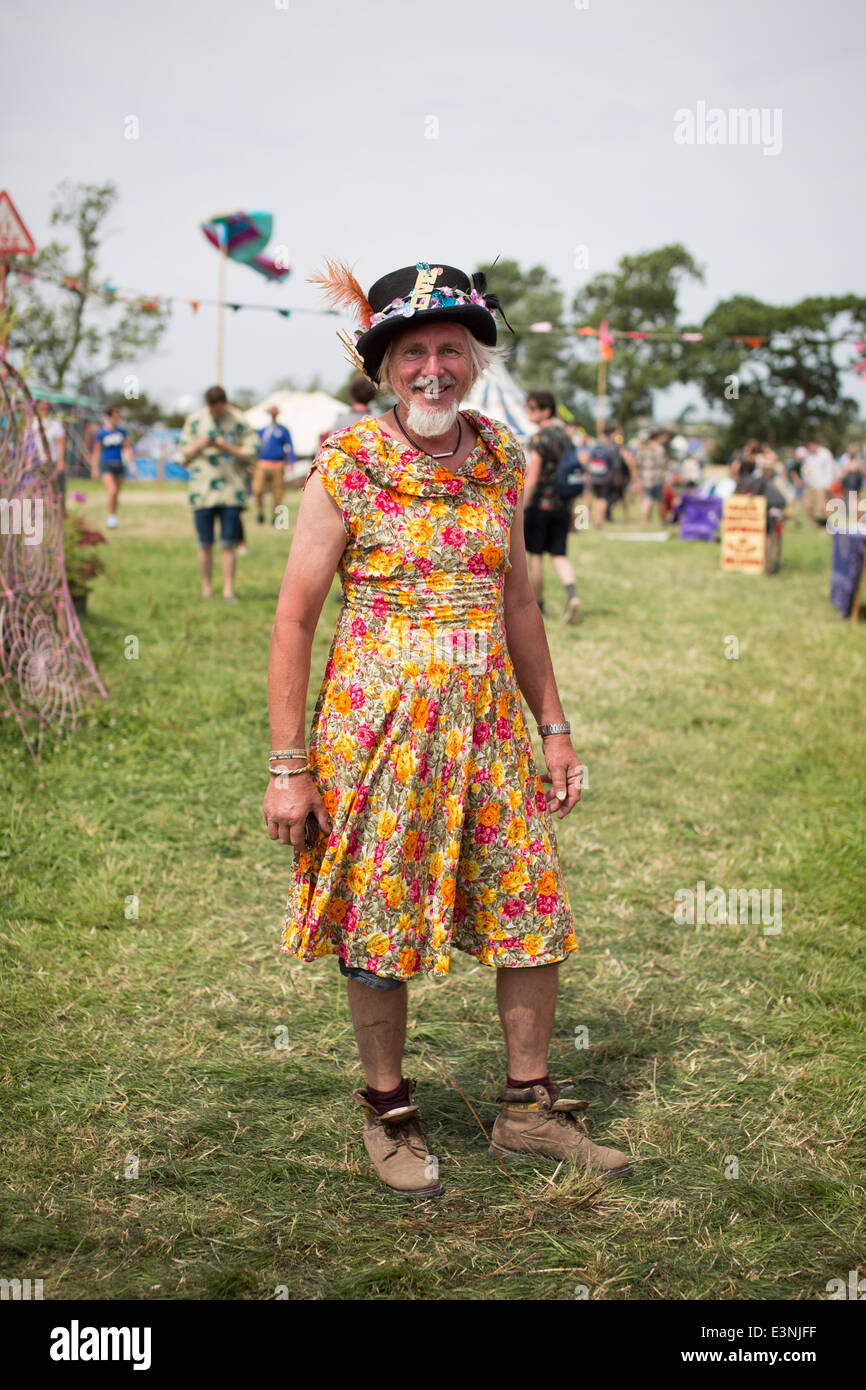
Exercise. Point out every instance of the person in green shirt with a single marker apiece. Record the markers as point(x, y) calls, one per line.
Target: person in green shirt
point(217, 446)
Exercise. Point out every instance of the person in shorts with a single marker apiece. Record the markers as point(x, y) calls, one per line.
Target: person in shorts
point(55, 440)
point(217, 446)
point(652, 467)
point(602, 467)
point(112, 453)
point(546, 515)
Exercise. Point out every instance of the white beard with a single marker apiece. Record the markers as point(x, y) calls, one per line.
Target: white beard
point(430, 423)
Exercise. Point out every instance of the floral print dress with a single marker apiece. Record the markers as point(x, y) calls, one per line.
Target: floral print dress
point(441, 837)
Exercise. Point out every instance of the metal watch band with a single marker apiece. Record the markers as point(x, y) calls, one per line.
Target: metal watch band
point(546, 729)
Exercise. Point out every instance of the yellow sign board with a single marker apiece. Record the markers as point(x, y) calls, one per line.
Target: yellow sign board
point(744, 533)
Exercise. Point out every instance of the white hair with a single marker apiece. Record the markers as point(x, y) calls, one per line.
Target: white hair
point(481, 356)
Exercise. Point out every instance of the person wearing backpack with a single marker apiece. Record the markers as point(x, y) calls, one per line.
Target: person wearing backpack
point(603, 467)
point(549, 489)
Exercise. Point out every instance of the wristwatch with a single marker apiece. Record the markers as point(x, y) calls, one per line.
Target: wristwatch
point(546, 729)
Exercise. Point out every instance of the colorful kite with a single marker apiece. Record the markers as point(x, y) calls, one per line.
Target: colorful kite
point(243, 236)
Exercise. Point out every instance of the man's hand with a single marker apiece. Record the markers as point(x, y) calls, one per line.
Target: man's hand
point(287, 804)
point(564, 772)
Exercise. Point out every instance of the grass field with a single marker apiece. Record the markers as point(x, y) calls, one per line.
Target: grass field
point(728, 1061)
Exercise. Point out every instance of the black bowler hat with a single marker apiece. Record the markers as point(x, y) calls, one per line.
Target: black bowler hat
point(420, 293)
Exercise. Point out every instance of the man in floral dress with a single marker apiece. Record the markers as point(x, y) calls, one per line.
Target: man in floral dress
point(417, 817)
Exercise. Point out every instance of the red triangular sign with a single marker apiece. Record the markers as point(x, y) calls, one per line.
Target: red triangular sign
point(15, 240)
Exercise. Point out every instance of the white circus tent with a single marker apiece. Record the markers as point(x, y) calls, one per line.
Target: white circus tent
point(497, 395)
point(307, 415)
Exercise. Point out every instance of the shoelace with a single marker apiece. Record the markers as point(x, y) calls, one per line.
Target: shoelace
point(400, 1134)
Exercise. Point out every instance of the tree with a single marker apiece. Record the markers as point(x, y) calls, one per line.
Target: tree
point(785, 385)
point(61, 328)
point(537, 360)
point(641, 293)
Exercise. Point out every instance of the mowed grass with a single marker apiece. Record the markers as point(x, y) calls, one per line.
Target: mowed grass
point(146, 1045)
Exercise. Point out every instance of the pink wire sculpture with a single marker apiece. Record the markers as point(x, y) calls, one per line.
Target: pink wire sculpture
point(46, 671)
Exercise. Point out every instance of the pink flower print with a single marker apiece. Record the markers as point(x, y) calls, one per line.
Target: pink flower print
point(511, 496)
point(483, 774)
point(380, 607)
point(379, 852)
point(423, 564)
point(540, 801)
point(536, 846)
point(385, 502)
point(503, 728)
point(481, 733)
point(419, 846)
point(415, 891)
point(366, 736)
point(358, 627)
point(361, 799)
point(356, 695)
point(423, 767)
point(545, 903)
point(350, 921)
point(513, 908)
point(476, 565)
point(453, 485)
point(353, 843)
point(354, 480)
point(486, 834)
point(363, 454)
point(431, 722)
point(452, 535)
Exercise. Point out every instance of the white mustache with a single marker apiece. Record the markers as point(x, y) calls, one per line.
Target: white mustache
point(433, 385)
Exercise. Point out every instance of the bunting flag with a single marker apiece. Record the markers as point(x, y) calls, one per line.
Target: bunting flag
point(151, 303)
point(605, 342)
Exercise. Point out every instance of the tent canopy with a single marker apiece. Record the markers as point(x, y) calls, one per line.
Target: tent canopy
point(306, 414)
point(497, 395)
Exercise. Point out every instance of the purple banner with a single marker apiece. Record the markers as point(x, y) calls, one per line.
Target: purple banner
point(700, 518)
point(846, 571)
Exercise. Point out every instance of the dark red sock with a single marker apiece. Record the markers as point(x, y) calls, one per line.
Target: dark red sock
point(525, 1085)
point(389, 1100)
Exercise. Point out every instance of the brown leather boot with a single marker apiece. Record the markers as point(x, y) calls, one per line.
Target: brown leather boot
point(398, 1149)
point(535, 1121)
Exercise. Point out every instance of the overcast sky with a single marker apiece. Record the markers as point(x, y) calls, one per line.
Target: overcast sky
point(555, 130)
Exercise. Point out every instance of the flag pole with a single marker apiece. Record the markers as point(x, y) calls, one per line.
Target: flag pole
point(221, 308)
point(3, 306)
point(602, 389)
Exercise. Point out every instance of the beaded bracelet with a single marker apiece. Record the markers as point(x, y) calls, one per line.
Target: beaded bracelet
point(288, 753)
point(286, 772)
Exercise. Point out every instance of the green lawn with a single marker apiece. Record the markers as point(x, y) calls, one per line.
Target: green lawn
point(150, 1040)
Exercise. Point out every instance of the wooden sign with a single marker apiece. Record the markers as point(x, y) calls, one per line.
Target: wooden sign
point(744, 533)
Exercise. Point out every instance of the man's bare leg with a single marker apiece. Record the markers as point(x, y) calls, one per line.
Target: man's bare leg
point(228, 556)
point(536, 576)
point(379, 1021)
point(526, 999)
point(563, 569)
point(205, 569)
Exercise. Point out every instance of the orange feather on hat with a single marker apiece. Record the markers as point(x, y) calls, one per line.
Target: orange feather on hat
point(342, 290)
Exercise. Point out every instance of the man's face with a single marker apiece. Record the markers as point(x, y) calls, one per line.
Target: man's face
point(218, 409)
point(43, 408)
point(273, 412)
point(431, 367)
